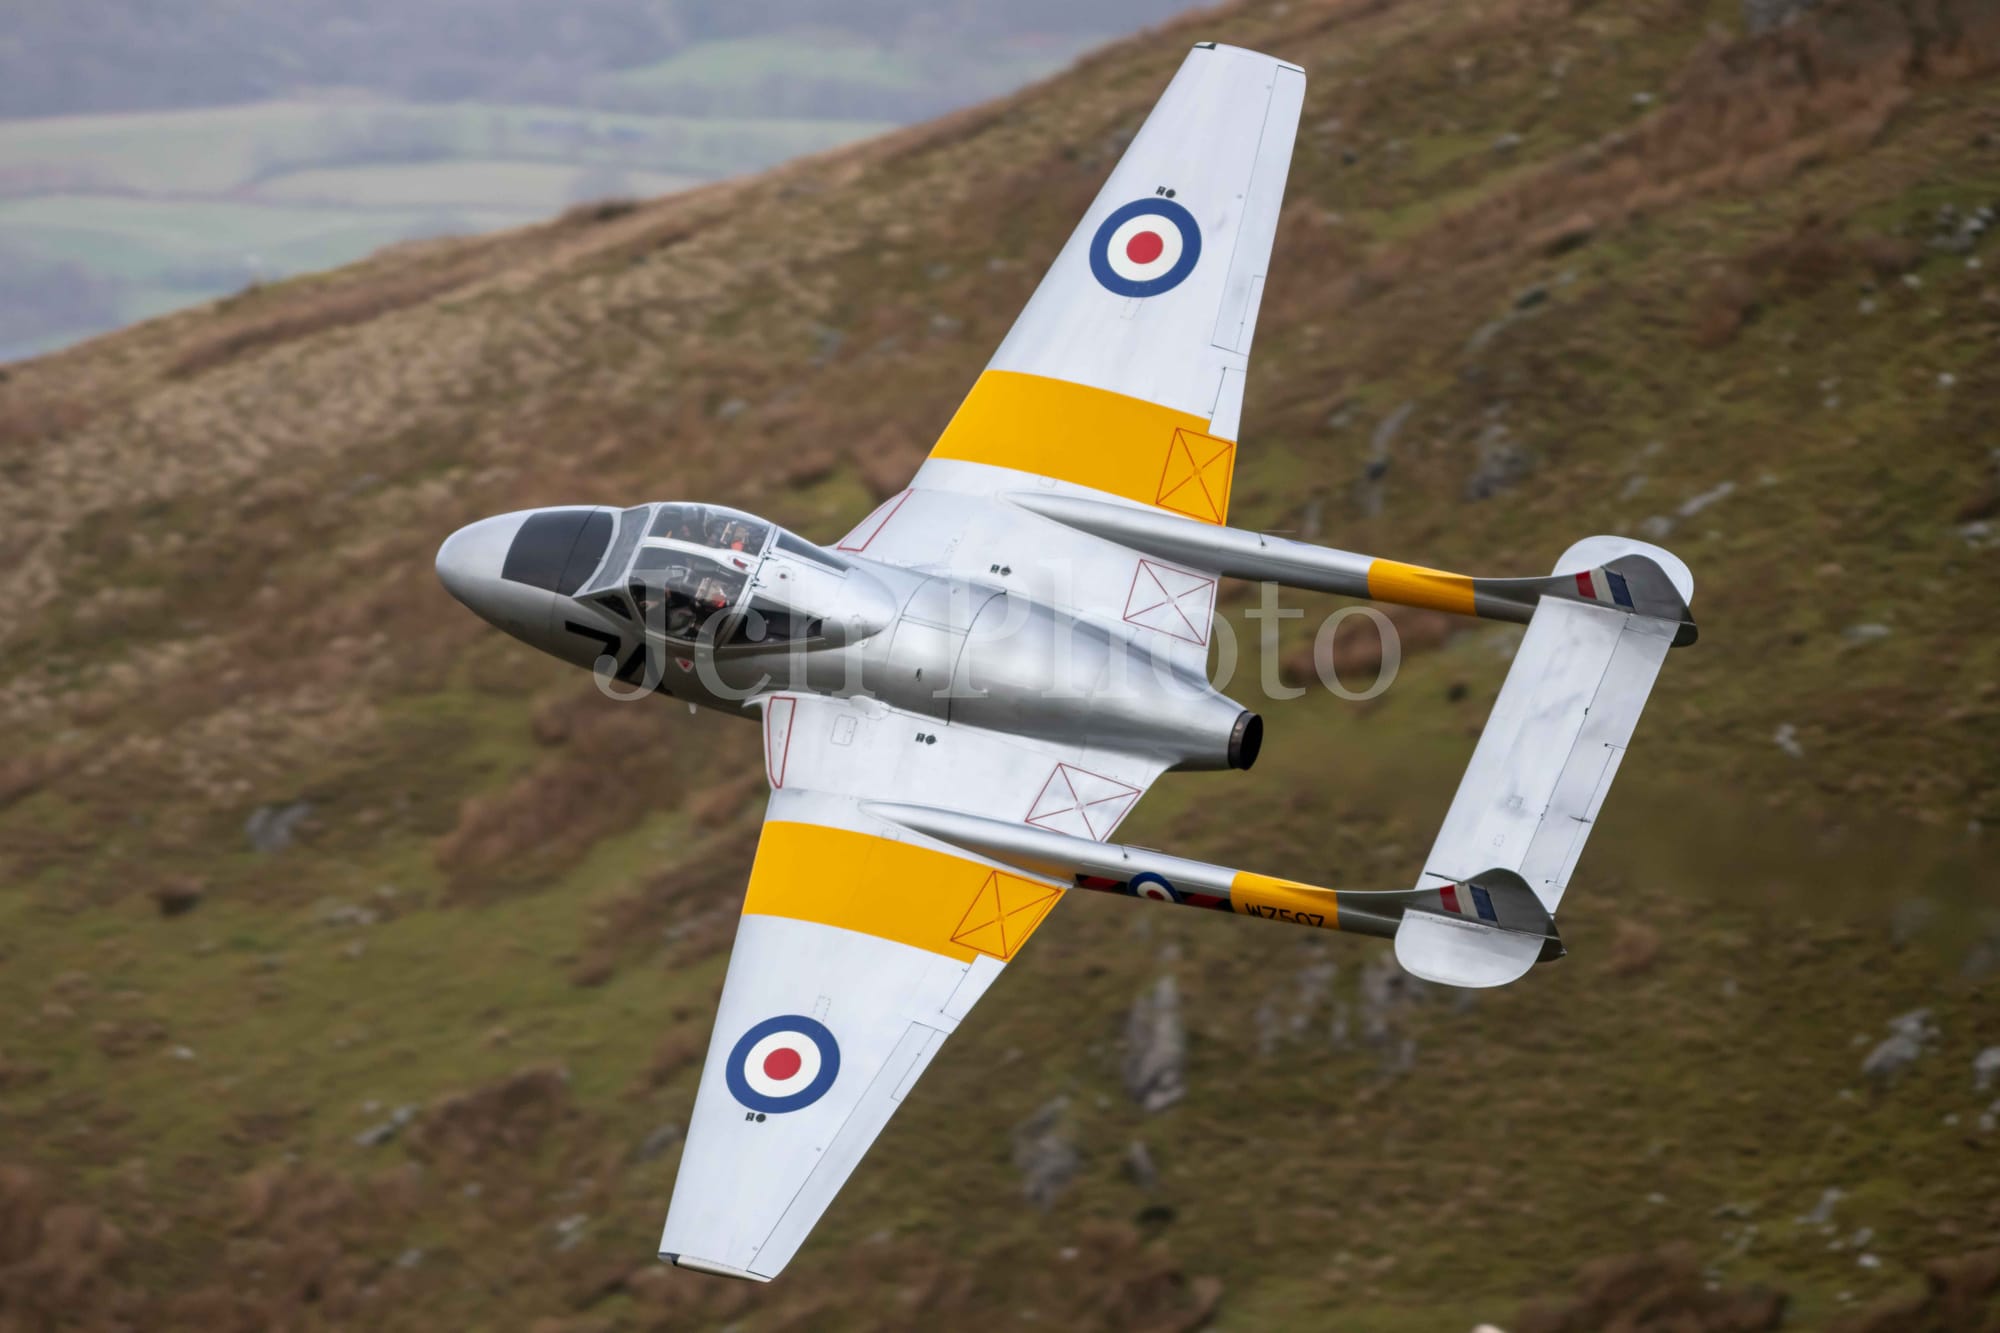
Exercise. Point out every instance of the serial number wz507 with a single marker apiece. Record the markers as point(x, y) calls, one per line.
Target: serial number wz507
point(1285, 914)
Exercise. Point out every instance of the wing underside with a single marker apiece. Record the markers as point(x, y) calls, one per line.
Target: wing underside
point(1124, 374)
point(862, 945)
point(1122, 380)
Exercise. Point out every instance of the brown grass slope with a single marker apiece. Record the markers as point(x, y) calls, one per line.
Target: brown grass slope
point(1547, 269)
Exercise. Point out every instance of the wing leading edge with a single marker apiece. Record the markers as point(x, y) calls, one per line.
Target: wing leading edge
point(855, 958)
point(1124, 374)
point(1122, 380)
point(861, 947)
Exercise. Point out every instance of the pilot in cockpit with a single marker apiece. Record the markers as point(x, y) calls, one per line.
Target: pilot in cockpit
point(681, 523)
point(732, 532)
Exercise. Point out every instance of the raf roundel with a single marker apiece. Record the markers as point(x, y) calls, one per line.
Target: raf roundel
point(783, 1064)
point(1147, 247)
point(1154, 888)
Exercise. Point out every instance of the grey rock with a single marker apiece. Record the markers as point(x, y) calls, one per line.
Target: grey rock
point(1310, 989)
point(827, 342)
point(410, 1258)
point(1786, 738)
point(1483, 336)
point(1916, 1024)
point(1139, 1166)
point(1156, 1048)
point(1764, 15)
point(1696, 503)
point(1045, 1152)
point(1388, 428)
point(1507, 142)
point(1985, 1068)
point(1386, 993)
point(272, 828)
point(1656, 527)
point(732, 408)
point(1822, 1212)
point(1909, 1034)
point(1281, 1018)
point(1867, 632)
point(384, 1131)
point(569, 1231)
point(1270, 1026)
point(1983, 958)
point(657, 1142)
point(1502, 462)
point(339, 912)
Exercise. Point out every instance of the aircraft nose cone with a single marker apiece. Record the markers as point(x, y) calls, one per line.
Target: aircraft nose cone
point(471, 560)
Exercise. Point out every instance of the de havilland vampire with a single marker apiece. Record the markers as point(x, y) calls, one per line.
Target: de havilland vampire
point(964, 696)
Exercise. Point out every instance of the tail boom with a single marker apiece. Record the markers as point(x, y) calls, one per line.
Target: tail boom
point(1494, 907)
point(1616, 573)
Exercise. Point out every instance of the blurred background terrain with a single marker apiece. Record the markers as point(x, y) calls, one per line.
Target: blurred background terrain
point(153, 155)
point(356, 964)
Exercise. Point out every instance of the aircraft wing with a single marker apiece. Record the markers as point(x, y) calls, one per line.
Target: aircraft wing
point(862, 945)
point(1123, 377)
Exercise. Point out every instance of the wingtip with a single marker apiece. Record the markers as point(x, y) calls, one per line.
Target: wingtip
point(713, 1269)
point(1261, 55)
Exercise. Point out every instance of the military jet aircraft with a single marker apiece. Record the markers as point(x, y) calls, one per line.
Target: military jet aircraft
point(964, 696)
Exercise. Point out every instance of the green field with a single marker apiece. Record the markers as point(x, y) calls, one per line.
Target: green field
point(533, 188)
point(746, 65)
point(147, 212)
point(230, 148)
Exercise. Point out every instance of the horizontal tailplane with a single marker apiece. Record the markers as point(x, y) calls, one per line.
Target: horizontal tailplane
point(1565, 716)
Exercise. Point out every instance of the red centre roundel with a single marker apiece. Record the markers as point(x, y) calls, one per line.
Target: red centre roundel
point(1145, 247)
point(784, 1063)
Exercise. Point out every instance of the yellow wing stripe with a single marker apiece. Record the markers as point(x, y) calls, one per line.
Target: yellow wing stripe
point(1096, 438)
point(895, 891)
point(1287, 899)
point(1413, 585)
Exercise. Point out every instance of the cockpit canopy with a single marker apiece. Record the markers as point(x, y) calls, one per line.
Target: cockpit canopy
point(711, 526)
point(689, 571)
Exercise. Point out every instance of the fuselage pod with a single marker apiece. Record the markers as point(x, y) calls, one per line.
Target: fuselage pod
point(722, 609)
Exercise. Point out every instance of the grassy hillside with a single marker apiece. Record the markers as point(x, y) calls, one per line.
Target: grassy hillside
point(356, 965)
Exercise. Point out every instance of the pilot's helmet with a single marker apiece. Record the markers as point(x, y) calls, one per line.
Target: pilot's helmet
point(684, 523)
